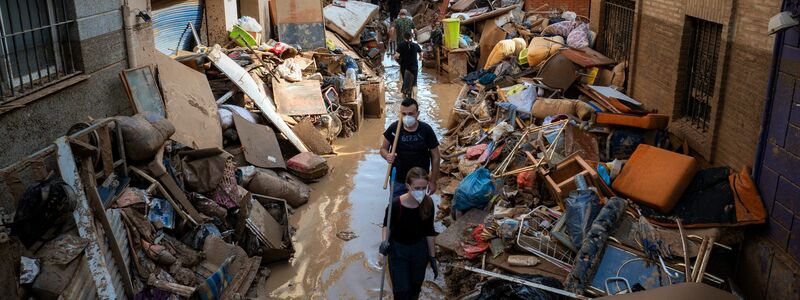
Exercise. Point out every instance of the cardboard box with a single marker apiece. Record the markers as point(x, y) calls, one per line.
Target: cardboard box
point(373, 94)
point(358, 111)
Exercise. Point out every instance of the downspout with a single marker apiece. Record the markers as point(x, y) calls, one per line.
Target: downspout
point(128, 29)
point(768, 102)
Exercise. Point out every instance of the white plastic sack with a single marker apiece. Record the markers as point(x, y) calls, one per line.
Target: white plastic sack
point(523, 100)
point(249, 24)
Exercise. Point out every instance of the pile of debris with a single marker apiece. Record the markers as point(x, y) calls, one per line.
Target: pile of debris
point(552, 174)
point(191, 196)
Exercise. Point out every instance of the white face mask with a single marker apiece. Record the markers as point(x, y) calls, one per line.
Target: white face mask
point(418, 195)
point(409, 121)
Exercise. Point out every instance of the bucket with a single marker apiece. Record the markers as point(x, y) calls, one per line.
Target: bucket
point(452, 32)
point(241, 37)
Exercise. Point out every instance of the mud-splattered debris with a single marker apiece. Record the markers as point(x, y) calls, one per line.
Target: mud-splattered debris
point(346, 235)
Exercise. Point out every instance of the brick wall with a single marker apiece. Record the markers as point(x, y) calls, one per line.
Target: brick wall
point(580, 7)
point(659, 71)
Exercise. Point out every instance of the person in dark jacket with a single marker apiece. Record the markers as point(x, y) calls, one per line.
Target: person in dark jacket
point(407, 54)
point(409, 239)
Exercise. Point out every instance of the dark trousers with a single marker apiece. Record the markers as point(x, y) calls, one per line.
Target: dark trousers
point(409, 81)
point(407, 264)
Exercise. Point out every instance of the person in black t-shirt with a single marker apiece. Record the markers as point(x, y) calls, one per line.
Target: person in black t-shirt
point(406, 55)
point(409, 240)
point(417, 147)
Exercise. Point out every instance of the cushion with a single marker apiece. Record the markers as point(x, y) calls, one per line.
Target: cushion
point(540, 49)
point(655, 177)
point(651, 121)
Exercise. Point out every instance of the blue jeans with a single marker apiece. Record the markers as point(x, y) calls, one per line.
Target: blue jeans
point(399, 189)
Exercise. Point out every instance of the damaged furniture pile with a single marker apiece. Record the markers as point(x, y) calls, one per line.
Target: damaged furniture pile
point(191, 196)
point(556, 183)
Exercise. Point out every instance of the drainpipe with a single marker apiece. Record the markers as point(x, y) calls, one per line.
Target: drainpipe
point(128, 28)
point(768, 102)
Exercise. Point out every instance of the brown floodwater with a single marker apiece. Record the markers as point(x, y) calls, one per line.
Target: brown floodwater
point(351, 198)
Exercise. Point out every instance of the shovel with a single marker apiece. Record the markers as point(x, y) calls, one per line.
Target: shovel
point(388, 228)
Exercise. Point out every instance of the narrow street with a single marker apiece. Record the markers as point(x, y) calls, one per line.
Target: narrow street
point(351, 198)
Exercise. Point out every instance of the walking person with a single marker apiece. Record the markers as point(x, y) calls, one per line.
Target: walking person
point(409, 239)
point(417, 146)
point(407, 54)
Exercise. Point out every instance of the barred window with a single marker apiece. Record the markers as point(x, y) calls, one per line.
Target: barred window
point(36, 45)
point(617, 29)
point(705, 45)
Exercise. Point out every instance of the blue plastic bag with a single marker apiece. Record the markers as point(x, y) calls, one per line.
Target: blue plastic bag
point(474, 191)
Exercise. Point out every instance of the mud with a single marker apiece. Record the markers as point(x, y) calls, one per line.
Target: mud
point(351, 199)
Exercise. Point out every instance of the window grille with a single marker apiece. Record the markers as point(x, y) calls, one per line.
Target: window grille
point(704, 48)
point(36, 48)
point(617, 29)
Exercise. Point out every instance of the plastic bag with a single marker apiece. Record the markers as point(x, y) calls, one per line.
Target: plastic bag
point(474, 191)
point(523, 97)
point(249, 24)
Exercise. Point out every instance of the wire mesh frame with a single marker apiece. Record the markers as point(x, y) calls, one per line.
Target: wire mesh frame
point(534, 236)
point(617, 29)
point(34, 56)
point(706, 40)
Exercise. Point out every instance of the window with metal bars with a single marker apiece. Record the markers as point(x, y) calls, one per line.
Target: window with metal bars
point(704, 48)
point(617, 29)
point(35, 45)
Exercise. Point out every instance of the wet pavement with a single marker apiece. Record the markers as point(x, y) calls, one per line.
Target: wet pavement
point(350, 201)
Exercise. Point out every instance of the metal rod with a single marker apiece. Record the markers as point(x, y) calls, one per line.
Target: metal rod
point(25, 45)
point(33, 36)
point(687, 272)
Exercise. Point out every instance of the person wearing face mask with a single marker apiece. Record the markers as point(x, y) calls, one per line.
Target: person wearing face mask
point(409, 242)
point(417, 146)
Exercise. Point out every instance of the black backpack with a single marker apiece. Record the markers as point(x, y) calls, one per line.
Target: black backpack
point(47, 204)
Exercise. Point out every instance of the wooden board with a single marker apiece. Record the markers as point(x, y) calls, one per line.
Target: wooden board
point(190, 104)
point(300, 22)
point(543, 268)
point(313, 139)
point(491, 14)
point(259, 144)
point(143, 92)
point(245, 82)
point(350, 20)
point(462, 5)
point(587, 57)
point(298, 98)
point(266, 224)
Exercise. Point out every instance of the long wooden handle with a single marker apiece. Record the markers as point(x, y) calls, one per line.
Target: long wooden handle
point(394, 150)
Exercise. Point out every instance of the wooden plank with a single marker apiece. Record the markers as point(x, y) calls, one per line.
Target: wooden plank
point(587, 57)
point(311, 136)
point(298, 98)
point(190, 105)
point(85, 222)
point(350, 20)
point(491, 14)
point(300, 22)
point(88, 178)
point(246, 83)
point(106, 152)
point(259, 144)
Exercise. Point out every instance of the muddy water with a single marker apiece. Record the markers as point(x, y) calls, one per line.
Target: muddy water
point(351, 198)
